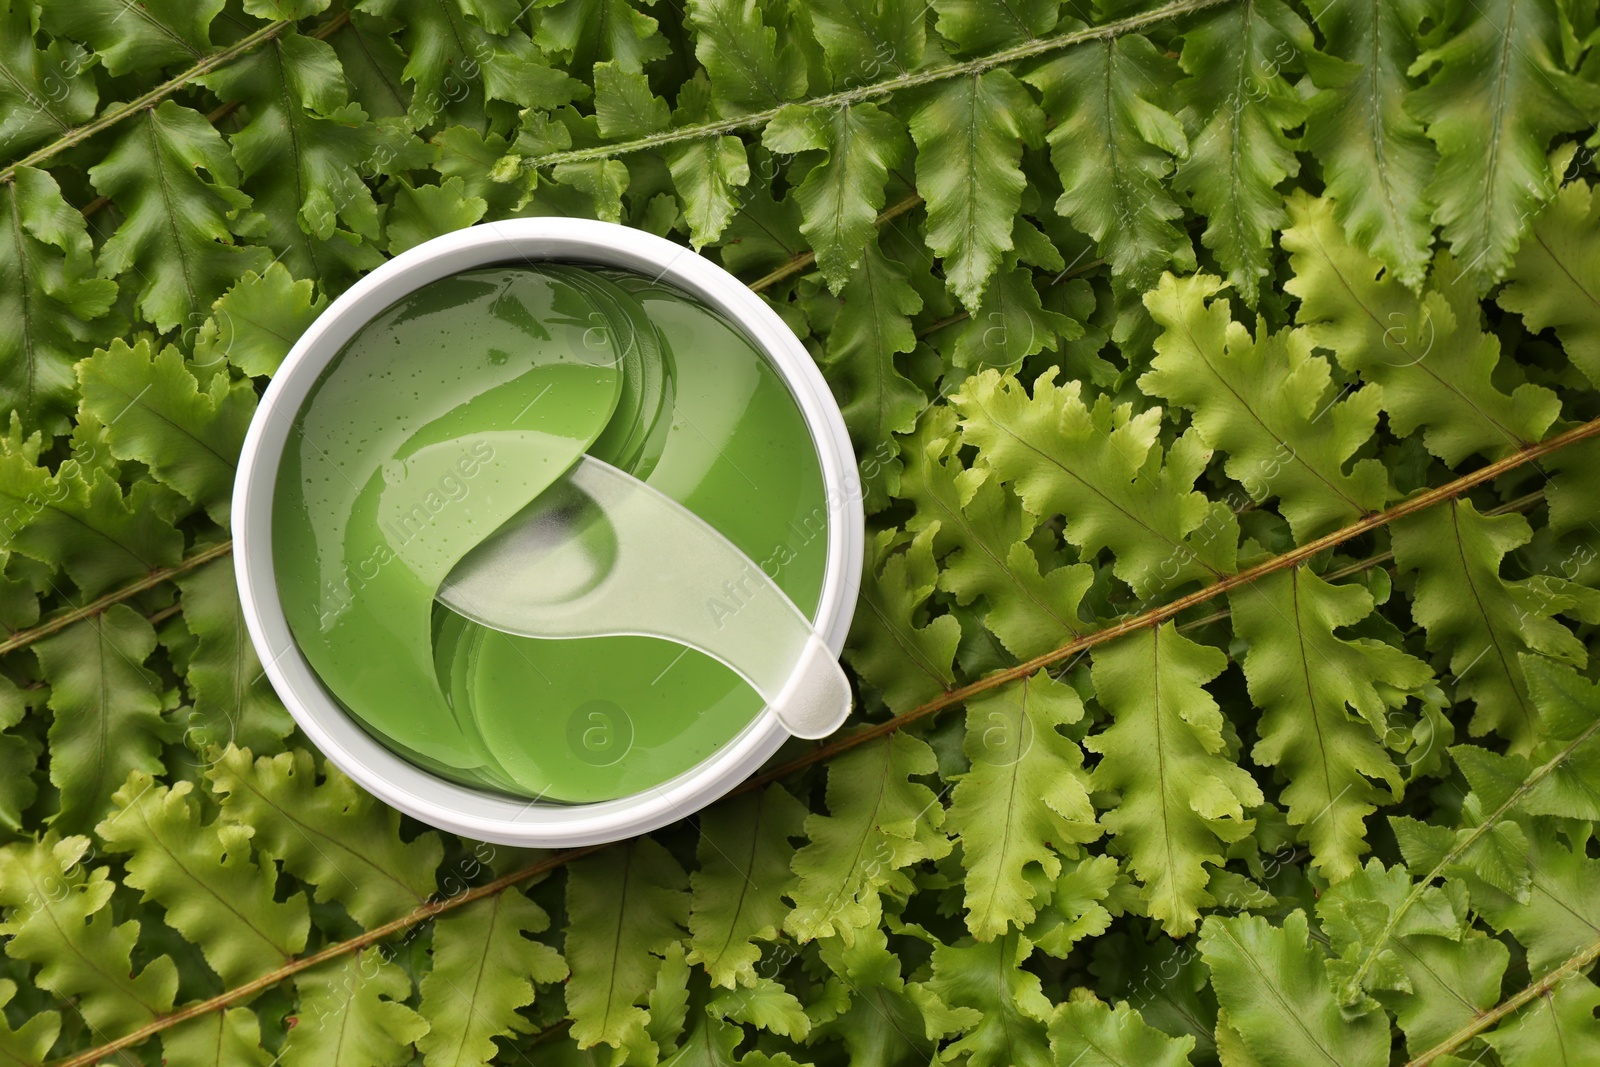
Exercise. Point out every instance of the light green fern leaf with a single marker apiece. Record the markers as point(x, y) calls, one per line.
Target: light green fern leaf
point(230, 1038)
point(1024, 803)
point(351, 1012)
point(1101, 467)
point(1264, 401)
point(156, 412)
point(1328, 703)
point(328, 833)
point(1435, 367)
point(58, 918)
point(738, 890)
point(107, 706)
point(624, 907)
point(485, 967)
point(981, 538)
point(204, 876)
point(879, 822)
point(1277, 1000)
point(1182, 796)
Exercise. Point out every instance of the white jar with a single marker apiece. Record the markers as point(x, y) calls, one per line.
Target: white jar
point(474, 813)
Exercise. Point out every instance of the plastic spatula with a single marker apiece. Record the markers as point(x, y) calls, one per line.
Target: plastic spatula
point(602, 554)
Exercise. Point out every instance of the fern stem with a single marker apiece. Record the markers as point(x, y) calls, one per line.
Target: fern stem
point(146, 100)
point(1537, 775)
point(1489, 1018)
point(805, 259)
point(862, 93)
point(432, 909)
point(1156, 616)
point(24, 638)
point(1521, 503)
point(228, 997)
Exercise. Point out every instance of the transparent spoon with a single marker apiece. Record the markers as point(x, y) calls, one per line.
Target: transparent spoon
point(601, 554)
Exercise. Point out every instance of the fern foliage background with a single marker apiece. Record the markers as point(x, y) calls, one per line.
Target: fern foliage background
point(1224, 375)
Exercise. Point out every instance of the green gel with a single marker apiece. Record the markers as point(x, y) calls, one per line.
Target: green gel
point(531, 368)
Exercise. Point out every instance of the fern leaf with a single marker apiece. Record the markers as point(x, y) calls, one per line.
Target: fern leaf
point(1076, 907)
point(49, 295)
point(1434, 366)
point(1497, 94)
point(28, 1044)
point(1569, 704)
point(352, 1013)
point(203, 876)
point(1480, 618)
point(107, 708)
point(255, 323)
point(841, 195)
point(865, 41)
point(624, 907)
point(19, 755)
point(748, 69)
point(1561, 915)
point(1262, 401)
point(1174, 818)
point(1240, 107)
point(873, 327)
point(738, 890)
point(233, 701)
point(301, 156)
point(79, 521)
point(1005, 1004)
point(868, 1006)
point(1024, 803)
point(58, 918)
point(879, 822)
point(44, 92)
point(452, 58)
point(1101, 468)
point(1558, 1028)
point(969, 135)
point(1010, 324)
point(594, 31)
point(981, 537)
point(624, 106)
point(1114, 146)
point(485, 967)
point(177, 232)
point(428, 211)
point(1555, 281)
point(1306, 680)
point(765, 1004)
point(990, 25)
point(1375, 156)
point(230, 1038)
point(1277, 1001)
point(1433, 971)
point(888, 647)
point(128, 36)
point(329, 834)
point(1091, 1033)
point(156, 412)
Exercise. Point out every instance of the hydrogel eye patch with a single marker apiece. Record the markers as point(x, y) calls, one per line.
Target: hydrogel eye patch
point(433, 436)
